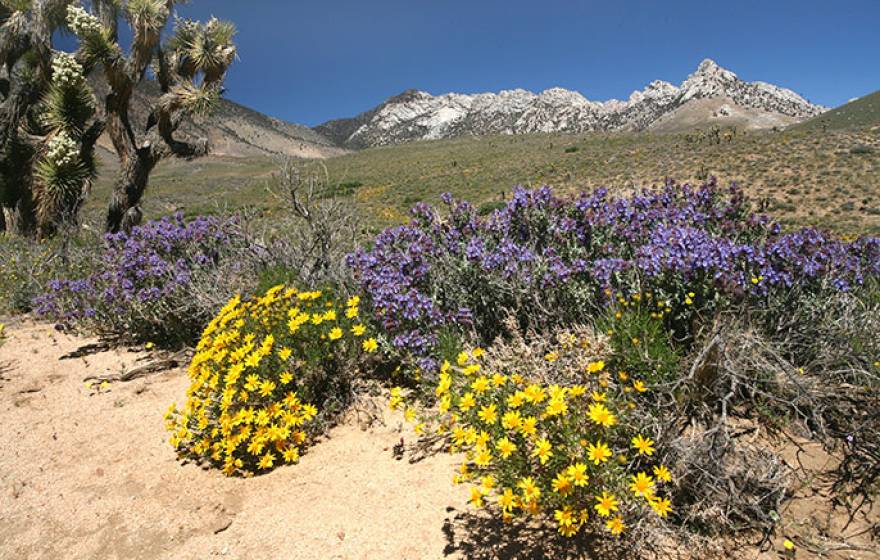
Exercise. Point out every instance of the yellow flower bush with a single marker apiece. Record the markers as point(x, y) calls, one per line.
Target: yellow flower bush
point(569, 453)
point(264, 370)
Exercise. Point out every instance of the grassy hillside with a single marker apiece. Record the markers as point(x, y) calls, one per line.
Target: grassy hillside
point(830, 179)
point(862, 112)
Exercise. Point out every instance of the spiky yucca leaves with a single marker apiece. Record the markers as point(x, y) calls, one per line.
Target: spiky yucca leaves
point(197, 57)
point(45, 108)
point(67, 166)
point(62, 178)
point(95, 39)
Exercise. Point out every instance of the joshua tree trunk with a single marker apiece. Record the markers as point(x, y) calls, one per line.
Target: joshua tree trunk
point(189, 69)
point(124, 211)
point(19, 219)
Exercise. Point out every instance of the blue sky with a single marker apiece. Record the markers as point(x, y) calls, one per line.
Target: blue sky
point(308, 62)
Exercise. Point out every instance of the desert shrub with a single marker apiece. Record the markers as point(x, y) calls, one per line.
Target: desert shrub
point(640, 330)
point(267, 375)
point(319, 230)
point(163, 281)
point(143, 287)
point(549, 261)
point(29, 266)
point(550, 436)
point(571, 149)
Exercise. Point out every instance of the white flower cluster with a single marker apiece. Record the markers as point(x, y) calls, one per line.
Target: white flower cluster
point(82, 22)
point(63, 150)
point(65, 69)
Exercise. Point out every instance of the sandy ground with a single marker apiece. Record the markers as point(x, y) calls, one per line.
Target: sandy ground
point(86, 474)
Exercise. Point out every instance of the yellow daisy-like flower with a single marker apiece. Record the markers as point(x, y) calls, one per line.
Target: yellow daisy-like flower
point(335, 333)
point(566, 518)
point(535, 393)
point(639, 386)
point(645, 446)
point(615, 526)
point(662, 473)
point(511, 420)
point(661, 506)
point(642, 485)
point(562, 485)
point(543, 450)
point(483, 458)
point(606, 504)
point(358, 330)
point(267, 460)
point(600, 415)
point(529, 426)
point(266, 388)
point(505, 447)
point(595, 367)
point(370, 345)
point(488, 414)
point(578, 474)
point(507, 500)
point(467, 402)
point(476, 498)
point(480, 384)
point(598, 453)
point(530, 490)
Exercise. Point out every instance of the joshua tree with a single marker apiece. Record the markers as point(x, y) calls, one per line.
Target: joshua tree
point(48, 127)
point(189, 67)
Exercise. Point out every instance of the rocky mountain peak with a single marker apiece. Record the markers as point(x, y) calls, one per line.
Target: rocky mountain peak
point(414, 114)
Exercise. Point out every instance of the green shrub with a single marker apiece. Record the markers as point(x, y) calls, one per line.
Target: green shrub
point(29, 266)
point(488, 207)
point(640, 333)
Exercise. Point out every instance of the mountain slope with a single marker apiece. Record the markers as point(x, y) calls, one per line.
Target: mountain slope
point(417, 115)
point(861, 112)
point(233, 129)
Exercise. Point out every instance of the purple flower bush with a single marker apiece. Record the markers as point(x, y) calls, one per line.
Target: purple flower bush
point(144, 287)
point(548, 260)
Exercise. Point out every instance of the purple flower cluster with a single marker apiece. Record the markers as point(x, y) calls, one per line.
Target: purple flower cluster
point(549, 260)
point(142, 280)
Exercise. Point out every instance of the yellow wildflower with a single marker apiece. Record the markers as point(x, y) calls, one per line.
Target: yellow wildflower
point(615, 526)
point(642, 485)
point(543, 450)
point(643, 445)
point(606, 504)
point(662, 473)
point(598, 453)
point(505, 447)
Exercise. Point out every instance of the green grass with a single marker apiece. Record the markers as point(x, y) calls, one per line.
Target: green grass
point(830, 179)
point(862, 112)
